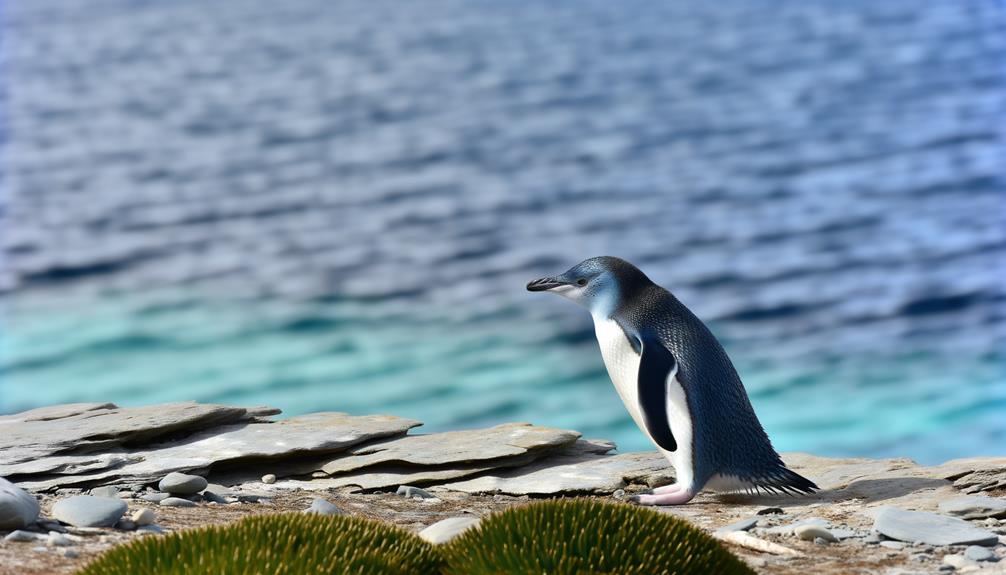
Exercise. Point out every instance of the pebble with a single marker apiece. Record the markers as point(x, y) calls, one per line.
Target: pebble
point(959, 561)
point(742, 525)
point(446, 529)
point(269, 479)
point(18, 508)
point(105, 491)
point(618, 494)
point(770, 511)
point(182, 483)
point(323, 507)
point(89, 511)
point(821, 541)
point(143, 517)
point(812, 532)
point(410, 492)
point(125, 525)
point(212, 497)
point(19, 535)
point(70, 553)
point(177, 502)
point(57, 539)
point(976, 553)
point(896, 545)
point(155, 497)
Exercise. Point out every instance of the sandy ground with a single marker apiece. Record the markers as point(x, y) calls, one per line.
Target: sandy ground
point(710, 512)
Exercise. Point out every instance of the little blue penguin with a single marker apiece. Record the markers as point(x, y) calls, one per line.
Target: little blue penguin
point(677, 383)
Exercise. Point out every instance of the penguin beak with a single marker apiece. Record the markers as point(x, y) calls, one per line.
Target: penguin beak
point(545, 284)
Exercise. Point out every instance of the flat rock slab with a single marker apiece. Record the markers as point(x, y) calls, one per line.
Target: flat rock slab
point(974, 507)
point(586, 473)
point(315, 434)
point(78, 429)
point(929, 528)
point(497, 442)
point(446, 529)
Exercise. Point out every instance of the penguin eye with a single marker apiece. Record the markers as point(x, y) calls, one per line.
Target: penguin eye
point(581, 282)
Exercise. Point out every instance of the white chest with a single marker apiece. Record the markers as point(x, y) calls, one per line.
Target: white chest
point(622, 363)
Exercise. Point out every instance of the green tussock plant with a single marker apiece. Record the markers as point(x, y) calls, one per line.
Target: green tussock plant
point(582, 536)
point(282, 544)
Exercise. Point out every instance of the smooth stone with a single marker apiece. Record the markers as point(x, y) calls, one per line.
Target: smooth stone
point(70, 553)
point(218, 489)
point(213, 497)
point(821, 541)
point(155, 497)
point(125, 525)
point(323, 507)
point(618, 493)
point(409, 492)
point(268, 479)
point(446, 529)
point(18, 508)
point(896, 545)
point(812, 532)
point(105, 491)
point(959, 561)
point(930, 528)
point(56, 539)
point(154, 529)
point(20, 535)
point(844, 533)
point(976, 553)
point(89, 511)
point(742, 525)
point(177, 483)
point(872, 539)
point(974, 507)
point(177, 502)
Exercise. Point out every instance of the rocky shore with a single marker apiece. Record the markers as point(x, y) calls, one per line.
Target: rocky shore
point(84, 477)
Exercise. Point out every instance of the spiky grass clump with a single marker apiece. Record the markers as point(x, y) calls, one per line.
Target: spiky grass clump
point(579, 536)
point(283, 544)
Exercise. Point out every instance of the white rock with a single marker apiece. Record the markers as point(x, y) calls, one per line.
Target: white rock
point(143, 517)
point(811, 532)
point(447, 529)
point(182, 484)
point(58, 540)
point(269, 479)
point(959, 561)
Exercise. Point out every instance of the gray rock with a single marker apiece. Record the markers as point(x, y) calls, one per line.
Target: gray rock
point(155, 497)
point(182, 484)
point(844, 533)
point(89, 511)
point(213, 497)
point(151, 529)
point(125, 525)
point(409, 492)
point(742, 525)
point(18, 508)
point(268, 479)
point(444, 530)
point(105, 491)
point(812, 532)
point(70, 553)
point(19, 535)
point(976, 553)
point(618, 493)
point(896, 545)
point(872, 539)
point(177, 502)
point(57, 539)
point(323, 507)
point(821, 541)
point(929, 528)
point(974, 507)
point(502, 441)
point(143, 517)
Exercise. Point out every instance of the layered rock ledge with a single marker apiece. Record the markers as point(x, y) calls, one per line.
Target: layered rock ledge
point(872, 516)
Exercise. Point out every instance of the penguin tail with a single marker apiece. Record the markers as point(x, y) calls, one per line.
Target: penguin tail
point(784, 480)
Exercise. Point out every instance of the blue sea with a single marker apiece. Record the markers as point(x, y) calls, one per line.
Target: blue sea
point(325, 205)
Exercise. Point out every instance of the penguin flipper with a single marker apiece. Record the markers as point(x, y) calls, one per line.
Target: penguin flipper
point(656, 367)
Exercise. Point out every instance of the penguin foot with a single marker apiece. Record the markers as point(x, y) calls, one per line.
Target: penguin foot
point(672, 488)
point(679, 497)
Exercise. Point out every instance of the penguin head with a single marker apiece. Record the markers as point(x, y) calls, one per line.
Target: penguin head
point(599, 284)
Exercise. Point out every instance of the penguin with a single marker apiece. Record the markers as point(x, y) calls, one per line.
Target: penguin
point(676, 382)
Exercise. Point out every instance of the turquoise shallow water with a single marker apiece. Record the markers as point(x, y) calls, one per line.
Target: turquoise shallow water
point(336, 207)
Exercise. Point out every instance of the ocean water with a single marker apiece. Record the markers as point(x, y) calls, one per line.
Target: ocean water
point(336, 205)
